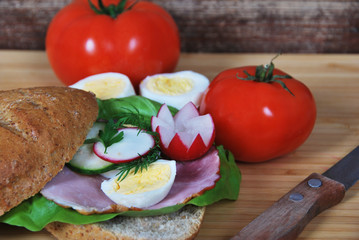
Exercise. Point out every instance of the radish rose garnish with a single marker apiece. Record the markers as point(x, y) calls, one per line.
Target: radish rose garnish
point(186, 136)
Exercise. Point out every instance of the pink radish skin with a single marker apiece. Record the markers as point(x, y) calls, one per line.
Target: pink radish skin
point(130, 148)
point(187, 135)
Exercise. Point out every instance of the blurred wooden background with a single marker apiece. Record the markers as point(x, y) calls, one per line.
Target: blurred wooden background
point(296, 26)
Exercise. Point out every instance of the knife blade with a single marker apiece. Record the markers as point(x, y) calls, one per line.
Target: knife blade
point(287, 217)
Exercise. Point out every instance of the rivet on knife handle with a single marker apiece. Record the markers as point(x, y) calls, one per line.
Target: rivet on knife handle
point(289, 215)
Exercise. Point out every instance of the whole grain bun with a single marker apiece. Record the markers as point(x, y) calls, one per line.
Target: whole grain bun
point(41, 129)
point(180, 225)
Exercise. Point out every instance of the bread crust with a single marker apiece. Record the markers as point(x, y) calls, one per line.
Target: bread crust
point(76, 232)
point(181, 225)
point(41, 129)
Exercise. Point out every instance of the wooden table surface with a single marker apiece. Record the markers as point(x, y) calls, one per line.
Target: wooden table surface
point(334, 82)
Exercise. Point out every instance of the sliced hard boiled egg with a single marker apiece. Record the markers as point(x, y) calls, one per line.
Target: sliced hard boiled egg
point(107, 85)
point(175, 89)
point(143, 189)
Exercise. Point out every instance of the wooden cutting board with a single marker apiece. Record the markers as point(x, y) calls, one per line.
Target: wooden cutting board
point(334, 82)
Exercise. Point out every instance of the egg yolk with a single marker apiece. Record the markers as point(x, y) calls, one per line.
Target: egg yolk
point(170, 86)
point(156, 176)
point(106, 88)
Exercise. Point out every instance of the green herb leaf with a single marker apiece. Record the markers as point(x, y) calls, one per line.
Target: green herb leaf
point(110, 135)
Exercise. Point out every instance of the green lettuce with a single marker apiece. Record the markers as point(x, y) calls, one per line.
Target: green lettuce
point(36, 212)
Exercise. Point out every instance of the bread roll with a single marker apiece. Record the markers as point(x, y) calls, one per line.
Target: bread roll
point(181, 225)
point(41, 129)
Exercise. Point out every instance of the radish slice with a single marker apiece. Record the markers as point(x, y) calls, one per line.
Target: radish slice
point(187, 135)
point(133, 145)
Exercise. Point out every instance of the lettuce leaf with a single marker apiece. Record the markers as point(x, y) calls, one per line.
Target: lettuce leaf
point(36, 212)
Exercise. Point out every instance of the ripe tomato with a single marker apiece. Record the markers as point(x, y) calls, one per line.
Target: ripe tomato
point(259, 120)
point(141, 40)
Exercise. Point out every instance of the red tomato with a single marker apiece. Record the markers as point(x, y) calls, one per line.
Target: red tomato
point(142, 40)
point(259, 121)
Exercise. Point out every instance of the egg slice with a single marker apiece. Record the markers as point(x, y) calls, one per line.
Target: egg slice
point(142, 189)
point(175, 89)
point(107, 85)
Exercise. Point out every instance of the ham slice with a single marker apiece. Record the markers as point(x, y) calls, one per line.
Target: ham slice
point(193, 178)
point(83, 193)
point(80, 192)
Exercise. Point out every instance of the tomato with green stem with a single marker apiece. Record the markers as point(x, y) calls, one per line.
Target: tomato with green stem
point(259, 112)
point(136, 38)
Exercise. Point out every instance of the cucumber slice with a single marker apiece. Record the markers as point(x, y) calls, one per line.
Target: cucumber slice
point(86, 161)
point(97, 126)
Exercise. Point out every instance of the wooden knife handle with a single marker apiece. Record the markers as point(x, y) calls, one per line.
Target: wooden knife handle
point(286, 218)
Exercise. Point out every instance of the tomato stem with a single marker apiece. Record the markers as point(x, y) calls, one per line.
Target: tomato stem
point(264, 73)
point(112, 10)
point(133, 4)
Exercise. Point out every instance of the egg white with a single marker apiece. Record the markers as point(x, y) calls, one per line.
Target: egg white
point(140, 199)
point(107, 85)
point(198, 81)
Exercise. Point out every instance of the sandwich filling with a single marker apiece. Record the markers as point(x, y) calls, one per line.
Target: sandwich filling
point(83, 192)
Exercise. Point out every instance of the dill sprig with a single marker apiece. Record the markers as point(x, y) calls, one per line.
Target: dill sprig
point(143, 162)
point(133, 117)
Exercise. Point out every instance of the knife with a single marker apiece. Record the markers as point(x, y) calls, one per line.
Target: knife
point(287, 218)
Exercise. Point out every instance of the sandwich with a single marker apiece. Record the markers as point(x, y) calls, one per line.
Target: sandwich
point(44, 129)
point(41, 129)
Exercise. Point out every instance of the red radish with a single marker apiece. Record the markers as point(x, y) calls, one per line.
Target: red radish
point(133, 145)
point(187, 135)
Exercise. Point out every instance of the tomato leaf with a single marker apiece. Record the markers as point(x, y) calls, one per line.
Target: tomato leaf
point(283, 85)
point(112, 10)
point(265, 74)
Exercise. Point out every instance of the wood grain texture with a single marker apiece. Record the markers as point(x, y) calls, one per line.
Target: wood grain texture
point(296, 26)
point(334, 82)
point(287, 218)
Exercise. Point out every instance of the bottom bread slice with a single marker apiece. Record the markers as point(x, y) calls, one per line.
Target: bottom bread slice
point(183, 224)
